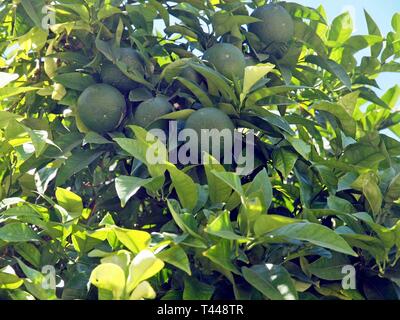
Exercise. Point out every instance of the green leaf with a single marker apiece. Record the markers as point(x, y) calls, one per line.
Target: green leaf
point(331, 66)
point(329, 268)
point(70, 202)
point(347, 122)
point(142, 147)
point(33, 9)
point(341, 29)
point(127, 187)
point(371, 244)
point(391, 97)
point(270, 222)
point(66, 143)
point(178, 115)
point(339, 204)
point(218, 190)
point(197, 91)
point(84, 241)
point(284, 160)
point(34, 283)
point(196, 290)
point(109, 276)
point(299, 145)
point(40, 140)
point(266, 92)
point(374, 196)
point(222, 227)
point(141, 94)
point(370, 95)
point(6, 117)
point(94, 138)
point(161, 10)
point(393, 191)
point(107, 11)
point(8, 92)
point(21, 211)
point(75, 80)
point(253, 74)
point(180, 220)
point(230, 179)
point(177, 257)
point(363, 155)
point(224, 22)
point(134, 240)
point(349, 101)
point(359, 42)
point(373, 29)
point(261, 188)
point(76, 7)
point(299, 11)
point(316, 234)
point(142, 16)
point(143, 291)
point(17, 232)
point(273, 281)
point(133, 74)
point(396, 22)
point(388, 236)
point(221, 254)
point(174, 69)
point(144, 266)
point(305, 34)
point(79, 161)
point(29, 252)
point(185, 187)
point(10, 281)
point(266, 119)
point(214, 79)
point(183, 30)
point(368, 184)
point(105, 48)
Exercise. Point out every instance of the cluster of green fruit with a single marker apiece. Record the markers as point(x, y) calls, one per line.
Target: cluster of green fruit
point(103, 107)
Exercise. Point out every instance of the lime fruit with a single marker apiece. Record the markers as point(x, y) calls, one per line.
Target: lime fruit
point(101, 108)
point(208, 119)
point(275, 29)
point(227, 59)
point(148, 111)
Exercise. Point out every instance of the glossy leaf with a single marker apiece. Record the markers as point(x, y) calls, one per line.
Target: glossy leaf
point(273, 281)
point(316, 234)
point(144, 266)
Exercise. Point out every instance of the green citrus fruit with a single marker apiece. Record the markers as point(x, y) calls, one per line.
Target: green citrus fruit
point(112, 75)
point(227, 59)
point(148, 111)
point(101, 108)
point(208, 119)
point(275, 29)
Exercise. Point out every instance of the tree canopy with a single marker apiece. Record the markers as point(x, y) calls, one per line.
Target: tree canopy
point(318, 215)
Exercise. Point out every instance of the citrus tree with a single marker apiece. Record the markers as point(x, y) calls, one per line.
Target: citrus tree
point(82, 83)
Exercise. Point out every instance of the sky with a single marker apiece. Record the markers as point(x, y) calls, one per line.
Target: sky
point(380, 10)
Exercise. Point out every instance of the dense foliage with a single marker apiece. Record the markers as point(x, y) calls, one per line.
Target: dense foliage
point(87, 205)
